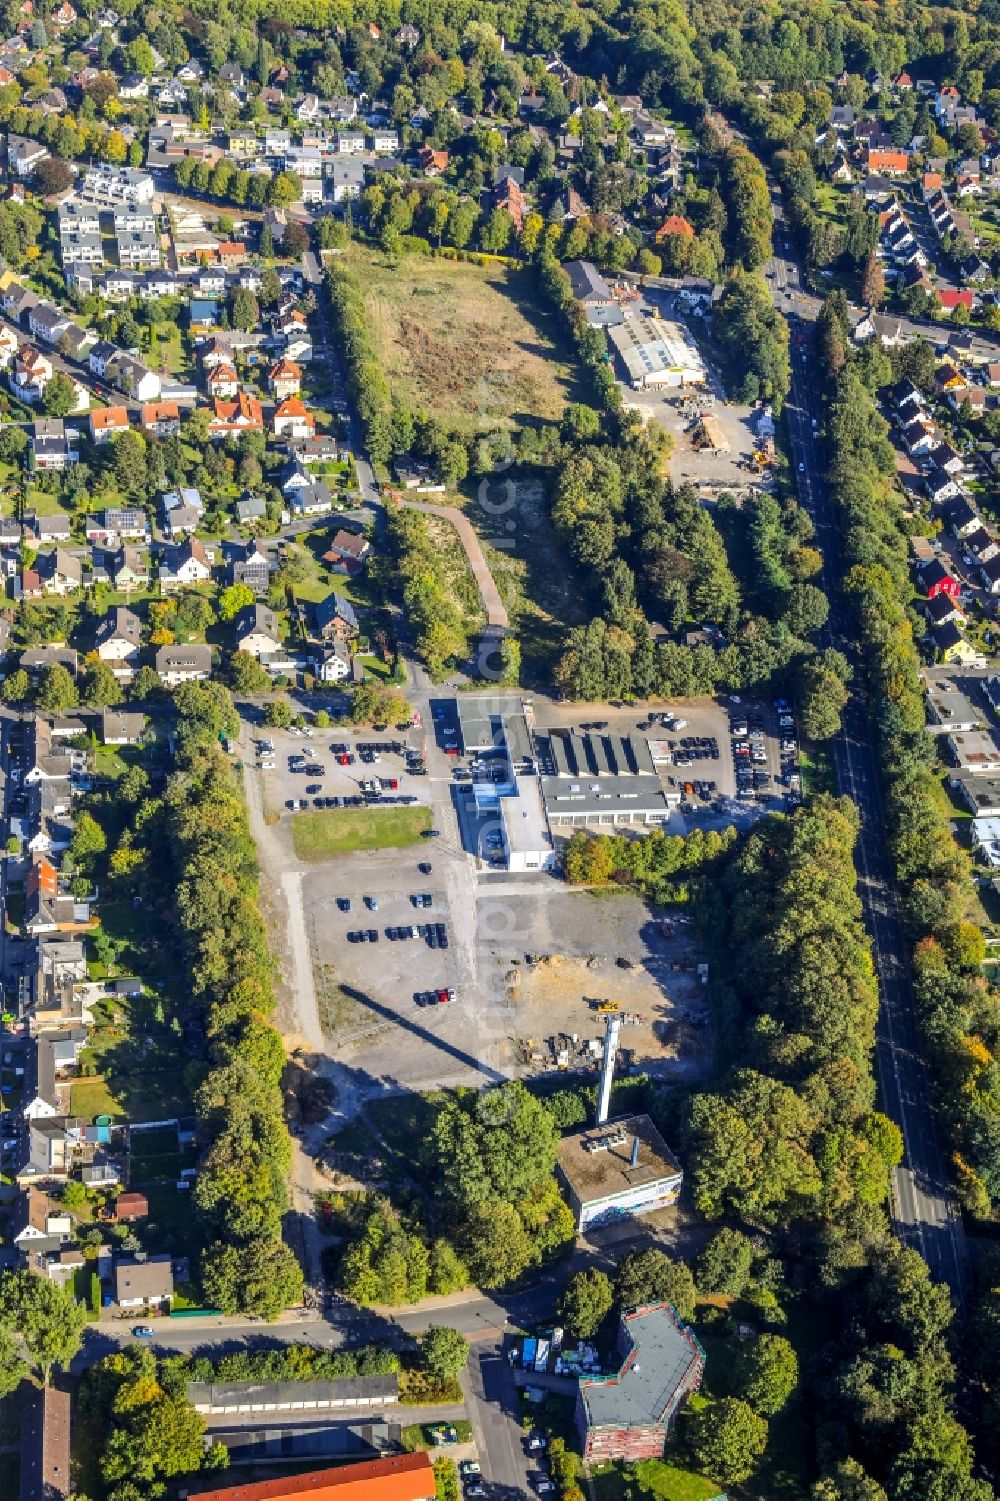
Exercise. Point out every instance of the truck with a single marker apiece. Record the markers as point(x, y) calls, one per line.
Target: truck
point(528, 1353)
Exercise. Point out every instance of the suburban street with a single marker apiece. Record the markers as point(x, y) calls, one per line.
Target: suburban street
point(925, 1213)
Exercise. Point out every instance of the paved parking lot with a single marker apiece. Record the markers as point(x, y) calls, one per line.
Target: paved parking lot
point(284, 784)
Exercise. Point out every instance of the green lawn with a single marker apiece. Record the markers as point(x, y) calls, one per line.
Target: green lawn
point(673, 1484)
point(339, 831)
point(416, 1436)
point(816, 765)
point(43, 503)
point(92, 1097)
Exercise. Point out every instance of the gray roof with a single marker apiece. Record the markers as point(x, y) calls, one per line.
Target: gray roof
point(587, 282)
point(334, 605)
point(235, 1396)
point(663, 1363)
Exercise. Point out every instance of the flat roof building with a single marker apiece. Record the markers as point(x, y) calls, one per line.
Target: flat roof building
point(224, 1397)
point(950, 710)
point(628, 1413)
point(657, 352)
point(400, 1477)
point(601, 779)
point(618, 1170)
point(976, 751)
point(981, 794)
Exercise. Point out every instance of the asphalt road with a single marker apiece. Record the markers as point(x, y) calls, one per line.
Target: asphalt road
point(924, 1211)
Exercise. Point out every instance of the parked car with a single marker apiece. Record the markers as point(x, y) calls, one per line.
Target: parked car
point(142, 1331)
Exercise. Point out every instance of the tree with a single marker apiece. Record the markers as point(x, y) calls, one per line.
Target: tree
point(653, 1277)
point(847, 1481)
point(444, 1354)
point(245, 309)
point(725, 1263)
point(59, 397)
point(101, 689)
point(247, 675)
point(130, 466)
point(585, 1301)
point(56, 690)
point(727, 1439)
point(145, 685)
point(770, 1373)
point(233, 599)
point(872, 282)
point(52, 176)
point(89, 839)
point(278, 714)
point(47, 1320)
point(12, 1366)
point(16, 687)
point(261, 1277)
point(495, 1243)
point(295, 239)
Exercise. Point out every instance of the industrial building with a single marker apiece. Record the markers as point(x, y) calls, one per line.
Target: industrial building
point(657, 352)
point(619, 1169)
point(628, 1413)
point(401, 1477)
point(616, 1171)
point(505, 786)
point(601, 779)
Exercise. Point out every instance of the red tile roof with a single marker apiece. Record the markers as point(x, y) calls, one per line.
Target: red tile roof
point(402, 1477)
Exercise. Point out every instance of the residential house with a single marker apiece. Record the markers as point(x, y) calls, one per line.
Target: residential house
point(251, 508)
point(310, 499)
point(61, 572)
point(292, 420)
point(105, 422)
point(45, 1434)
point(241, 415)
point(334, 619)
point(185, 564)
point(181, 521)
point(935, 579)
point(160, 419)
point(118, 640)
point(257, 631)
point(222, 381)
point(332, 664)
point(432, 163)
point(30, 375)
point(144, 1284)
point(119, 727)
point(346, 552)
point(247, 564)
point(183, 664)
point(285, 379)
point(53, 444)
point(961, 518)
point(23, 155)
point(129, 569)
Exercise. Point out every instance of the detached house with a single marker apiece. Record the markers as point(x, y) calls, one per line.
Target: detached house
point(186, 564)
point(106, 422)
point(243, 415)
point(118, 640)
point(183, 664)
point(334, 619)
point(292, 420)
point(248, 565)
point(285, 379)
point(257, 631)
point(30, 375)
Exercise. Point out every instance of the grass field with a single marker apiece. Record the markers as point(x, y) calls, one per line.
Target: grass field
point(340, 831)
point(91, 1097)
point(469, 344)
point(673, 1484)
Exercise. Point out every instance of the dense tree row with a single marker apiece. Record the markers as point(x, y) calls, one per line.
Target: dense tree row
point(959, 1008)
point(240, 1192)
point(792, 1131)
point(664, 867)
point(436, 617)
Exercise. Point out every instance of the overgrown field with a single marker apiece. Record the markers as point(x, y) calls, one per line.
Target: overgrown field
point(471, 345)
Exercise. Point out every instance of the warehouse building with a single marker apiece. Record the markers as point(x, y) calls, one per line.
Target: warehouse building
point(601, 779)
point(628, 1413)
point(614, 1172)
point(657, 352)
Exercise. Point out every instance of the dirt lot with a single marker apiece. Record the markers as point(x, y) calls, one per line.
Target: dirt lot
point(469, 343)
point(553, 958)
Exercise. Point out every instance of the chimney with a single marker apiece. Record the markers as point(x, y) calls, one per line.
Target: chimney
point(612, 1027)
point(634, 1160)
